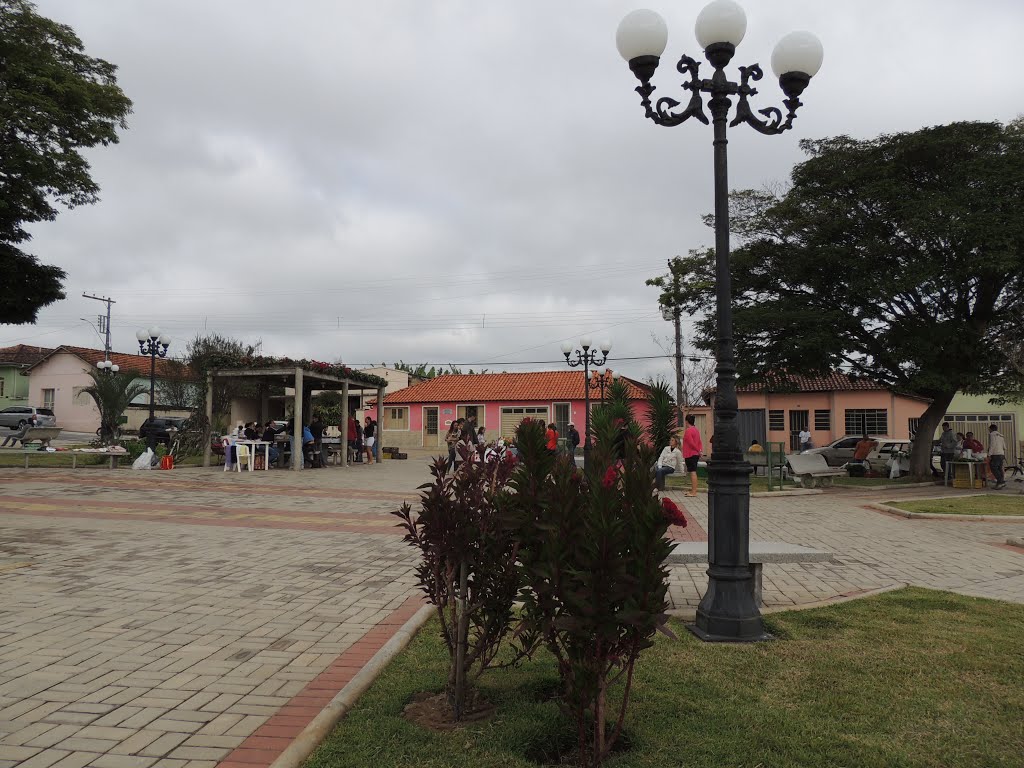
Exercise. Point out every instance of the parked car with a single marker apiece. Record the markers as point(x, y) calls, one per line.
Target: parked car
point(17, 416)
point(160, 428)
point(840, 451)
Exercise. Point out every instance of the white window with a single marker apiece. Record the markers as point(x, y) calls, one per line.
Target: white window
point(78, 396)
point(48, 398)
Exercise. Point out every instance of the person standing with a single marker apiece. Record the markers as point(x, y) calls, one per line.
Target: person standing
point(947, 447)
point(574, 440)
point(693, 447)
point(997, 455)
point(451, 440)
point(669, 462)
point(317, 427)
point(805, 439)
point(369, 431)
point(551, 436)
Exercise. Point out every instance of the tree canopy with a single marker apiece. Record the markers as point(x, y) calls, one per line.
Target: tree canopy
point(54, 102)
point(899, 258)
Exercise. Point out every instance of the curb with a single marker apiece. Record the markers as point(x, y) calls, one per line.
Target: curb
point(690, 614)
point(793, 492)
point(878, 488)
point(321, 725)
point(936, 516)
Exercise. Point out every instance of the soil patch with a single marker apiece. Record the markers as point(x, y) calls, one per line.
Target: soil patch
point(431, 711)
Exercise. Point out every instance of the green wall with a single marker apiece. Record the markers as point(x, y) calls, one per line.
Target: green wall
point(15, 386)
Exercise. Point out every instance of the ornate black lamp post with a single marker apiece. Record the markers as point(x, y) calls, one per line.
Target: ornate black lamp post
point(601, 380)
point(587, 357)
point(728, 611)
point(154, 344)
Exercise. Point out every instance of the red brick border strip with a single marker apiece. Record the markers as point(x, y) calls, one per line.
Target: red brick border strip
point(270, 741)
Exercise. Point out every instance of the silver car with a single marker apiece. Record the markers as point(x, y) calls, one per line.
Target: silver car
point(17, 416)
point(841, 451)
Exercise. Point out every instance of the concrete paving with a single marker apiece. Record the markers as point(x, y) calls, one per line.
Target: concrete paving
point(200, 619)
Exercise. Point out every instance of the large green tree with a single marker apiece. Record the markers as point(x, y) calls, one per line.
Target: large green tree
point(899, 258)
point(54, 102)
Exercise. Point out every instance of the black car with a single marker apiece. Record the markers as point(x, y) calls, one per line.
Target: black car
point(160, 428)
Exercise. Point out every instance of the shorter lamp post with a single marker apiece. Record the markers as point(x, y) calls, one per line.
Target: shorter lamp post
point(108, 367)
point(601, 380)
point(154, 344)
point(586, 357)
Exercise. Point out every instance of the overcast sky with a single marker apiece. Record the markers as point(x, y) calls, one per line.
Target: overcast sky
point(450, 181)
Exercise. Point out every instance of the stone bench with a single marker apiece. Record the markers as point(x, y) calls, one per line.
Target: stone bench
point(115, 458)
point(761, 552)
point(812, 470)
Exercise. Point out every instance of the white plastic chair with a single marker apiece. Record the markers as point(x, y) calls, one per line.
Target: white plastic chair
point(242, 454)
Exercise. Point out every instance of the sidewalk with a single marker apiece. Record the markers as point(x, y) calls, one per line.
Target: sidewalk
point(200, 619)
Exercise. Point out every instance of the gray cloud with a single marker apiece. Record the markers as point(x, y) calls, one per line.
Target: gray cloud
point(448, 181)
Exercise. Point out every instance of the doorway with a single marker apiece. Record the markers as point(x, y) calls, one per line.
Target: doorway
point(798, 422)
point(431, 434)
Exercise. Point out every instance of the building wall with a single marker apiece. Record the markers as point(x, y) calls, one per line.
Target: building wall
point(899, 410)
point(447, 413)
point(15, 386)
point(67, 374)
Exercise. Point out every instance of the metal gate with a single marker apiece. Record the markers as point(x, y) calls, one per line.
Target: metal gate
point(978, 423)
point(750, 422)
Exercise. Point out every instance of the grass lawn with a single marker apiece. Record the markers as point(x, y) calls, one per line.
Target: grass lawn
point(63, 459)
point(988, 504)
point(913, 678)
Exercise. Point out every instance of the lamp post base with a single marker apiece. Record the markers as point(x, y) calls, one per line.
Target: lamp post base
point(728, 612)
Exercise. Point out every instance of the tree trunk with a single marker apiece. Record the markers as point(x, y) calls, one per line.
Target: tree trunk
point(921, 449)
point(462, 641)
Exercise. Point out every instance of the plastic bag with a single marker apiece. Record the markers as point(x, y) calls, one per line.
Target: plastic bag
point(894, 471)
point(145, 461)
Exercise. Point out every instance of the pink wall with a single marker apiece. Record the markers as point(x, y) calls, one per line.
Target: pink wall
point(63, 373)
point(492, 413)
point(899, 409)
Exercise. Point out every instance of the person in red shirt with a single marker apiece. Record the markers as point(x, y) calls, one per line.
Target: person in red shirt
point(692, 449)
point(552, 437)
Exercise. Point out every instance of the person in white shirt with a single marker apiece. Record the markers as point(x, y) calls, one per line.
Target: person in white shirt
point(805, 439)
point(670, 462)
point(996, 455)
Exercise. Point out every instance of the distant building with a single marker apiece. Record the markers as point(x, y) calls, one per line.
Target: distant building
point(57, 379)
point(13, 362)
point(419, 415)
point(828, 406)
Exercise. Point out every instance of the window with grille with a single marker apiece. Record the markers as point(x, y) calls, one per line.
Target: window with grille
point(823, 420)
point(396, 418)
point(870, 420)
point(49, 397)
point(776, 421)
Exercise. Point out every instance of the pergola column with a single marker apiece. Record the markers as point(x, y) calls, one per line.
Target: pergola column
point(264, 405)
point(209, 420)
point(344, 425)
point(380, 422)
point(297, 415)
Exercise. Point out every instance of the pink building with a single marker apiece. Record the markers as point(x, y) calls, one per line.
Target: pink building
point(420, 415)
point(830, 406)
point(56, 381)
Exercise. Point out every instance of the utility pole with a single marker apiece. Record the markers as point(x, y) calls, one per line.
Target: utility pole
point(106, 325)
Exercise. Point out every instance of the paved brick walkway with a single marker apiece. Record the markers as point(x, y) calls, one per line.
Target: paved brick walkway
point(199, 619)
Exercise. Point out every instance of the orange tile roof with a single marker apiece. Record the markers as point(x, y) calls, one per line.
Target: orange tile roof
point(503, 387)
point(795, 382)
point(22, 354)
point(165, 369)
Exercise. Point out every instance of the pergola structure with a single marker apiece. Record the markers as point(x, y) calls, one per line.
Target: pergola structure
point(304, 381)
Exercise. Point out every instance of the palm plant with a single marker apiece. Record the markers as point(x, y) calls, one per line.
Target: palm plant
point(661, 413)
point(112, 392)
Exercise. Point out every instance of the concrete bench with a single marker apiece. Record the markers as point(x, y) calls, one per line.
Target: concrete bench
point(41, 434)
point(812, 470)
point(115, 458)
point(761, 552)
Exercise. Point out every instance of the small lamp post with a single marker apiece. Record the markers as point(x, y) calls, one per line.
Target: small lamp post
point(154, 344)
point(106, 365)
point(587, 357)
point(728, 611)
point(601, 380)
